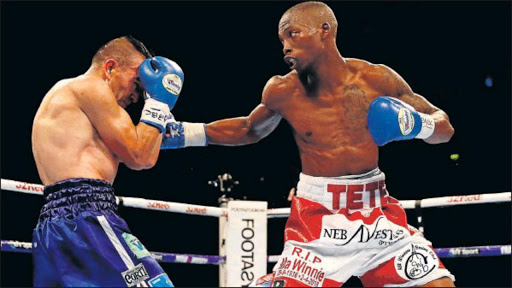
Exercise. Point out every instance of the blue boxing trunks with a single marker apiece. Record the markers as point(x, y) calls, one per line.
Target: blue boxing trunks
point(80, 240)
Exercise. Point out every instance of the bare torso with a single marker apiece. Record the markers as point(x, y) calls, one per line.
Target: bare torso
point(64, 142)
point(330, 126)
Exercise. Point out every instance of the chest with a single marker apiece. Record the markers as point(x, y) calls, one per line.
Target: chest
point(330, 114)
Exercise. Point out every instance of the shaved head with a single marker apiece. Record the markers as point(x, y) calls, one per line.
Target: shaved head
point(311, 13)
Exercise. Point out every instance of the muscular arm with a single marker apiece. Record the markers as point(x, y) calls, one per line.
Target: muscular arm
point(396, 86)
point(243, 130)
point(250, 129)
point(136, 146)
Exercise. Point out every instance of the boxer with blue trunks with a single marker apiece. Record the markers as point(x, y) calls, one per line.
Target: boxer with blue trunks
point(80, 240)
point(340, 111)
point(80, 134)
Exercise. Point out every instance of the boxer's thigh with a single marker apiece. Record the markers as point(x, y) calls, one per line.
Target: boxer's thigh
point(146, 268)
point(415, 264)
point(441, 282)
point(309, 265)
point(77, 251)
point(45, 272)
point(95, 249)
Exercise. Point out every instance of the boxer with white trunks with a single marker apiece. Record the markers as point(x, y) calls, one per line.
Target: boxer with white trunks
point(266, 280)
point(80, 134)
point(343, 222)
point(350, 226)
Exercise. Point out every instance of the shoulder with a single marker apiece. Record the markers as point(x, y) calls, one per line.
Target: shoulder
point(279, 85)
point(87, 89)
point(381, 77)
point(367, 70)
point(357, 64)
point(278, 88)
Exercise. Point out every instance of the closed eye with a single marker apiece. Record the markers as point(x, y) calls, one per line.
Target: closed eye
point(138, 87)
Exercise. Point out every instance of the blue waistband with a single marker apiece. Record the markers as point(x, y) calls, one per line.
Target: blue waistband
point(77, 194)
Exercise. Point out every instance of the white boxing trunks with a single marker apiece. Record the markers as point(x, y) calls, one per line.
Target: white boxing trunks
point(349, 226)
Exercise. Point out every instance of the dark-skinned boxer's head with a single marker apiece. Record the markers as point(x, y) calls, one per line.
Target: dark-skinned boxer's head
point(307, 31)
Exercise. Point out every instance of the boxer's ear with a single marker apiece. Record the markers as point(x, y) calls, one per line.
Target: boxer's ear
point(326, 29)
point(109, 67)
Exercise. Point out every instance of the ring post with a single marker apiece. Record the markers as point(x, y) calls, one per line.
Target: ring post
point(419, 216)
point(222, 240)
point(225, 183)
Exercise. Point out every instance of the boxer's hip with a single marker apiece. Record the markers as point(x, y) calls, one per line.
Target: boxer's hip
point(72, 196)
point(80, 221)
point(351, 212)
point(353, 192)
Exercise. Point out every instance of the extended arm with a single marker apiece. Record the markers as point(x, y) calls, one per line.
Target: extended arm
point(229, 132)
point(243, 130)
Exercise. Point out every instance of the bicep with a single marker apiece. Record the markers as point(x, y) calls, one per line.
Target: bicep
point(265, 117)
point(262, 120)
point(400, 89)
point(418, 102)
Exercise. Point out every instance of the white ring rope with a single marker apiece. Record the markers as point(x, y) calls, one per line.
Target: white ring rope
point(24, 187)
point(133, 202)
point(496, 250)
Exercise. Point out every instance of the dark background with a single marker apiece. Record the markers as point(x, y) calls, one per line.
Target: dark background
point(228, 50)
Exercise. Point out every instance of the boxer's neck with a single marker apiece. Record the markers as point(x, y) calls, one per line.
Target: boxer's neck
point(328, 72)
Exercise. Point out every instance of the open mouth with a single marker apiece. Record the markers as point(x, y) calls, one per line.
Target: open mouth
point(291, 62)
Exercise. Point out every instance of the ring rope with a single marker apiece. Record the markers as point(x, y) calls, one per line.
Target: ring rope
point(24, 187)
point(474, 251)
point(496, 250)
point(26, 247)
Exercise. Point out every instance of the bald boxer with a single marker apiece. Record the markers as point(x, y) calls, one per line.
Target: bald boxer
point(80, 134)
point(343, 221)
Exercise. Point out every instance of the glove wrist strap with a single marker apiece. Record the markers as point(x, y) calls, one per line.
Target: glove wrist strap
point(195, 134)
point(155, 113)
point(428, 126)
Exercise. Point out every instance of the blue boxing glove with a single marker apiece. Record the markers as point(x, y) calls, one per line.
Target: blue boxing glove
point(162, 80)
point(184, 134)
point(390, 119)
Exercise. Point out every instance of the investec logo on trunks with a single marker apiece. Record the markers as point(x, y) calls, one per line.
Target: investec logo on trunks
point(358, 196)
point(382, 232)
point(136, 275)
point(302, 265)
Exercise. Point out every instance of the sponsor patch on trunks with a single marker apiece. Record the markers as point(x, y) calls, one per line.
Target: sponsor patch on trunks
point(135, 275)
point(161, 280)
point(135, 245)
point(302, 265)
point(416, 261)
point(340, 231)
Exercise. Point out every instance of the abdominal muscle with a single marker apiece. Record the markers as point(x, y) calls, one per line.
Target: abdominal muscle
point(338, 161)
